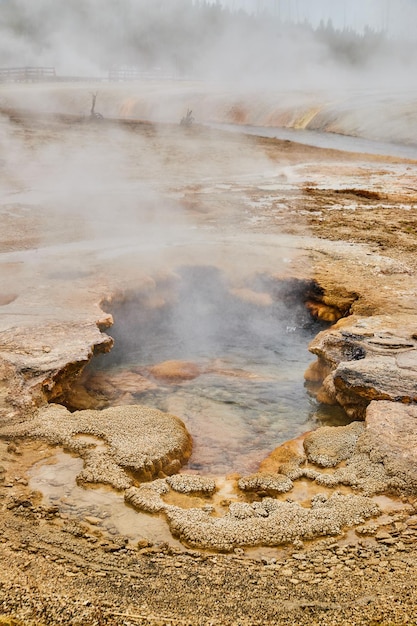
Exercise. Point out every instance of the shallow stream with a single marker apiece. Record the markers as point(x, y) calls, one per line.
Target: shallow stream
point(329, 140)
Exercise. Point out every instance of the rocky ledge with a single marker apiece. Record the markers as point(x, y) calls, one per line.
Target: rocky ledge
point(361, 359)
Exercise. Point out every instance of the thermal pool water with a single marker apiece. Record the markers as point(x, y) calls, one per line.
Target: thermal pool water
point(249, 351)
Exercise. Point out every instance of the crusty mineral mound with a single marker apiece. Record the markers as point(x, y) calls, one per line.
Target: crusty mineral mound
point(328, 446)
point(147, 497)
point(116, 443)
point(269, 522)
point(265, 483)
point(184, 483)
point(390, 439)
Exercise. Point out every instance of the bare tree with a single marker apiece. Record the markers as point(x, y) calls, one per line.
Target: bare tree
point(93, 113)
point(188, 119)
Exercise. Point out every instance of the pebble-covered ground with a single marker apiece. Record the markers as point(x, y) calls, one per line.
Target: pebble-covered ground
point(57, 571)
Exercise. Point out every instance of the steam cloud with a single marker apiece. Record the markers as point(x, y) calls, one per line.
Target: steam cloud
point(287, 43)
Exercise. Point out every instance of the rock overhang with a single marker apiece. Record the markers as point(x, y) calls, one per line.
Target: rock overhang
point(361, 359)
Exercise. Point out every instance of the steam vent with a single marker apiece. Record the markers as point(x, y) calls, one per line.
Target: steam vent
point(208, 359)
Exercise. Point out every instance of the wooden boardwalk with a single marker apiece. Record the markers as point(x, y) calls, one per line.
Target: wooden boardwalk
point(27, 74)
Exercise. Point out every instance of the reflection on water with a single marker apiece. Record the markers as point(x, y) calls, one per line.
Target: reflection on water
point(251, 354)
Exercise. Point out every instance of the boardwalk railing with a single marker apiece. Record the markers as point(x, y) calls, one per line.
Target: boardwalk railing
point(26, 74)
point(32, 74)
point(121, 74)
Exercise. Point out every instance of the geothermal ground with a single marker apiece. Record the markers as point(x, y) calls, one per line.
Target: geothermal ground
point(99, 215)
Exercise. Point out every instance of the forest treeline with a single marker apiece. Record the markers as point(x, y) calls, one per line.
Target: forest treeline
point(180, 36)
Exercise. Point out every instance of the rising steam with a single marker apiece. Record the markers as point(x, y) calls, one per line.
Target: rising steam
point(283, 44)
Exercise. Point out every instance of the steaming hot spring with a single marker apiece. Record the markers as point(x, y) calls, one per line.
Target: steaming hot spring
point(162, 285)
point(229, 361)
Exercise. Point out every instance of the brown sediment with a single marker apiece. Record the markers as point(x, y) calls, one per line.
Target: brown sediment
point(323, 312)
point(254, 297)
point(289, 452)
point(97, 390)
point(175, 371)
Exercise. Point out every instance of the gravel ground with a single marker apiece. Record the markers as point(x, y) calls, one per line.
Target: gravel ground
point(70, 576)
